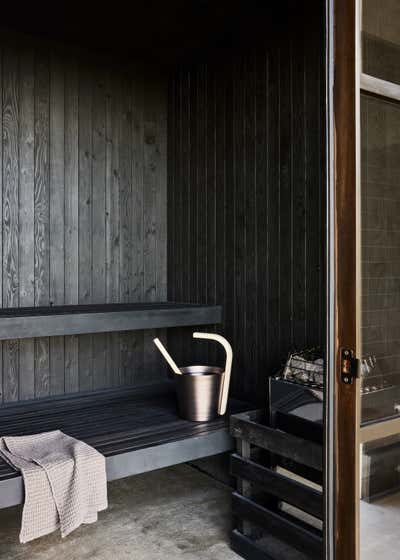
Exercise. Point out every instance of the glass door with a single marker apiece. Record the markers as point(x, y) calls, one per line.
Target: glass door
point(380, 279)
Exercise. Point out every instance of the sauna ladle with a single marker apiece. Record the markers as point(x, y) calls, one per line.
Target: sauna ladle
point(223, 398)
point(167, 356)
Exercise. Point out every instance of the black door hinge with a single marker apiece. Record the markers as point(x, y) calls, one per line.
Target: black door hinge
point(348, 366)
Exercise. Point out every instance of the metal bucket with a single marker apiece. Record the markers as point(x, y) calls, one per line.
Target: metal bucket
point(202, 390)
point(199, 392)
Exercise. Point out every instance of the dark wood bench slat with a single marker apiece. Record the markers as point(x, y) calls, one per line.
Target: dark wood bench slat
point(295, 493)
point(114, 412)
point(156, 439)
point(298, 426)
point(247, 548)
point(300, 538)
point(70, 320)
point(72, 401)
point(98, 429)
point(263, 549)
point(287, 445)
point(115, 416)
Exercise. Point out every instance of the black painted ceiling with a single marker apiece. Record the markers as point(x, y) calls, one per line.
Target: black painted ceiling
point(161, 30)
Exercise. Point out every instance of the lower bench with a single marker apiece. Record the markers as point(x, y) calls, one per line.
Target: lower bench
point(138, 430)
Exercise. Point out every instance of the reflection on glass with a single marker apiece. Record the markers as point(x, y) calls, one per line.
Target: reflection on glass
point(380, 258)
point(380, 494)
point(381, 39)
point(380, 328)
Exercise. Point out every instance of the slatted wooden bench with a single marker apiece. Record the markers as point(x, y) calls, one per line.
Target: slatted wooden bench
point(137, 429)
point(31, 322)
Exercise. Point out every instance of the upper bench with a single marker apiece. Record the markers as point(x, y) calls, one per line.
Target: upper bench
point(31, 322)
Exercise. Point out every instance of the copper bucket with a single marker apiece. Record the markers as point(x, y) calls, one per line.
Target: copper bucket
point(202, 391)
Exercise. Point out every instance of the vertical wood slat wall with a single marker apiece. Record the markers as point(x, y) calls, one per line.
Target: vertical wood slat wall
point(246, 199)
point(84, 205)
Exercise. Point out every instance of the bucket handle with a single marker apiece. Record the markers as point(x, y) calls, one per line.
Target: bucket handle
point(223, 398)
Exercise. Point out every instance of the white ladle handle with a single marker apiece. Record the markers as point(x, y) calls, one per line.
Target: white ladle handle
point(228, 367)
point(167, 356)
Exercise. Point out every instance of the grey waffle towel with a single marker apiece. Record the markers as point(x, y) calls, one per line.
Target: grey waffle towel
point(65, 482)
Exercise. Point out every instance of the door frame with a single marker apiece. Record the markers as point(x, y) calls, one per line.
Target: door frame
point(342, 457)
point(329, 415)
point(344, 432)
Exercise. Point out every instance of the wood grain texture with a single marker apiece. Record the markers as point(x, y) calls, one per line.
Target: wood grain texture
point(153, 137)
point(137, 280)
point(73, 148)
point(57, 214)
point(10, 213)
point(1, 207)
point(85, 218)
point(262, 150)
point(71, 214)
point(126, 224)
point(245, 199)
point(315, 230)
point(10, 177)
point(99, 218)
point(346, 413)
point(42, 212)
point(112, 213)
point(26, 215)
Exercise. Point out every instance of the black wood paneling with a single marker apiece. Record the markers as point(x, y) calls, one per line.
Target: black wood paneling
point(246, 195)
point(83, 207)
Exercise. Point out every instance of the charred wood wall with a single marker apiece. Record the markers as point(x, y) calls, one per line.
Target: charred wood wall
point(246, 195)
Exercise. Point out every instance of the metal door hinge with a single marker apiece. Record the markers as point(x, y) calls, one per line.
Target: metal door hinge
point(348, 366)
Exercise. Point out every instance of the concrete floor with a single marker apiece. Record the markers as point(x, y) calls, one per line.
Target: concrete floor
point(380, 528)
point(169, 514)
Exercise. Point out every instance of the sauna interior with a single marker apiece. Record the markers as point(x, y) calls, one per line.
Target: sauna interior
point(165, 152)
point(180, 161)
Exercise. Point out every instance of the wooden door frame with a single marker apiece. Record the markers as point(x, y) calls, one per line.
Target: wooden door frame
point(343, 401)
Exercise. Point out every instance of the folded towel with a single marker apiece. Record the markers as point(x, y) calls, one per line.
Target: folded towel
point(65, 482)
